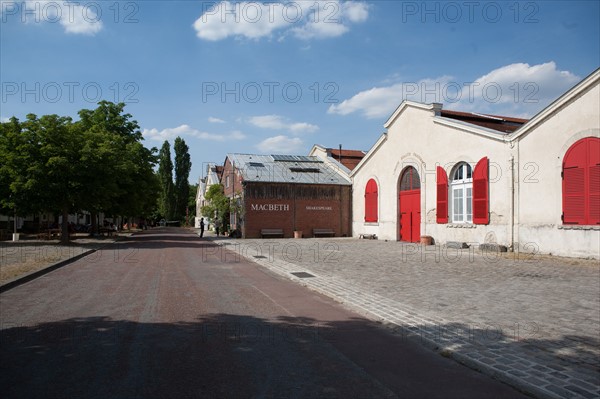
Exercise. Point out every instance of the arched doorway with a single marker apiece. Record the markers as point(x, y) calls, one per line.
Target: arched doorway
point(409, 206)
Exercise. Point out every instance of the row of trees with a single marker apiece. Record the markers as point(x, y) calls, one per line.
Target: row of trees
point(174, 197)
point(98, 163)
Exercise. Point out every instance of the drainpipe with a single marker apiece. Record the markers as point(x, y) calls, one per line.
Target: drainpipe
point(512, 202)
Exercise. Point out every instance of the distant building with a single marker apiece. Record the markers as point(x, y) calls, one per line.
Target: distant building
point(213, 176)
point(344, 160)
point(530, 185)
point(287, 193)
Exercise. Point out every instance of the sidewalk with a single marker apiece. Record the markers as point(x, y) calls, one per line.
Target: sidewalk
point(27, 257)
point(531, 321)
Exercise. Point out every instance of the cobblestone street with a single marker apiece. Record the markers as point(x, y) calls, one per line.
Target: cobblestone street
point(533, 321)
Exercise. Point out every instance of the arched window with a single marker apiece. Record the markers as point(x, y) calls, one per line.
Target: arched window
point(371, 200)
point(581, 183)
point(410, 180)
point(461, 194)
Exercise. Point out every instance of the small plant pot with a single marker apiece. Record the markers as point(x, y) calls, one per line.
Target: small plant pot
point(16, 237)
point(298, 234)
point(426, 240)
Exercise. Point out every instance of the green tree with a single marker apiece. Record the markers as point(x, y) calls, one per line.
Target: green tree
point(43, 166)
point(165, 173)
point(218, 205)
point(118, 168)
point(191, 203)
point(183, 164)
point(95, 164)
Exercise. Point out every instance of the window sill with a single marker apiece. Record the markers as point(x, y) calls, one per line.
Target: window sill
point(578, 227)
point(461, 226)
point(371, 223)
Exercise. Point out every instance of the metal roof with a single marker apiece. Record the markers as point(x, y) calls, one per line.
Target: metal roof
point(286, 169)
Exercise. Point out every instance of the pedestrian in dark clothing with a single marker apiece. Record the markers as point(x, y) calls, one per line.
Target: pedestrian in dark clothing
point(201, 227)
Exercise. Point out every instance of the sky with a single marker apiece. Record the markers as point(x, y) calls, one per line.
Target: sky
point(280, 76)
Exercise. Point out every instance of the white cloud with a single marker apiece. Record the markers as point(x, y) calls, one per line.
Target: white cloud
point(74, 17)
point(330, 19)
point(512, 90)
point(4, 120)
point(302, 19)
point(280, 145)
point(379, 102)
point(517, 89)
point(277, 122)
point(187, 131)
point(215, 120)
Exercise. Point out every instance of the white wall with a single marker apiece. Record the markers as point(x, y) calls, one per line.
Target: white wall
point(415, 140)
point(541, 152)
point(528, 162)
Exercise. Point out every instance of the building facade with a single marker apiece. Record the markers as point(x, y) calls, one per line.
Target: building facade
point(212, 177)
point(531, 186)
point(289, 193)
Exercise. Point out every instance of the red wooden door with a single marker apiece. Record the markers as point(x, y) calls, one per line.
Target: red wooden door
point(409, 205)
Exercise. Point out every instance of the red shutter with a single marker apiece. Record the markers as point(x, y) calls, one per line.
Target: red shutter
point(371, 201)
point(594, 180)
point(442, 196)
point(574, 195)
point(481, 212)
point(595, 194)
point(574, 184)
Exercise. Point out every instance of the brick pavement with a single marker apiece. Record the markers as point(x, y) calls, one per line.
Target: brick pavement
point(531, 321)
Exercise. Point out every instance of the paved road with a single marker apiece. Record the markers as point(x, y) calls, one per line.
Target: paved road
point(164, 315)
point(531, 320)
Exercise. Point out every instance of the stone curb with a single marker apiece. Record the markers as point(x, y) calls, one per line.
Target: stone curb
point(17, 281)
point(281, 268)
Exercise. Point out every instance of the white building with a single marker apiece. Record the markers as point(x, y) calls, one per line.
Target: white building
point(469, 178)
point(213, 176)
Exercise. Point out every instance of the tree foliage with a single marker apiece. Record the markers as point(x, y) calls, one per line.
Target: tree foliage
point(183, 164)
point(165, 174)
point(218, 205)
point(98, 164)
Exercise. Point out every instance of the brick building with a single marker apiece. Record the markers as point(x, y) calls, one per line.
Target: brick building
point(288, 193)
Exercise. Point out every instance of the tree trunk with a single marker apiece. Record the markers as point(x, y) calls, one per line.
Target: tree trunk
point(64, 234)
point(94, 227)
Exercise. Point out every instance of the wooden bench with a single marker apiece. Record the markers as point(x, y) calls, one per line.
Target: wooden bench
point(323, 233)
point(271, 233)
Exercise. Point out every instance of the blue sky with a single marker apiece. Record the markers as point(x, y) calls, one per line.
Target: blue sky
point(278, 77)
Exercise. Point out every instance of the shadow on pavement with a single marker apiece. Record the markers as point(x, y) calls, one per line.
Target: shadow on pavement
point(230, 356)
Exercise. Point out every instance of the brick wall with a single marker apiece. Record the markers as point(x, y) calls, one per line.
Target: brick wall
point(297, 207)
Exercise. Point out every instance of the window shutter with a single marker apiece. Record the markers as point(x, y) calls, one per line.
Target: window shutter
point(481, 212)
point(442, 196)
point(580, 183)
point(594, 179)
point(595, 194)
point(371, 200)
point(574, 195)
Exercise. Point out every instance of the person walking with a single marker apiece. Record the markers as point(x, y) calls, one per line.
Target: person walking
point(201, 227)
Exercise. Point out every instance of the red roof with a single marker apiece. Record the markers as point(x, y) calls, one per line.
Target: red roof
point(504, 124)
point(349, 158)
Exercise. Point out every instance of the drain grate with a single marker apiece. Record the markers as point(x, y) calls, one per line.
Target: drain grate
point(302, 274)
point(260, 257)
point(531, 275)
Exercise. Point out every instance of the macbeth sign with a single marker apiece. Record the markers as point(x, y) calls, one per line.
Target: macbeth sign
point(270, 207)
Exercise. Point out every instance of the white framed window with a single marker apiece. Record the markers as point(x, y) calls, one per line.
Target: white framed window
point(461, 194)
point(227, 181)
